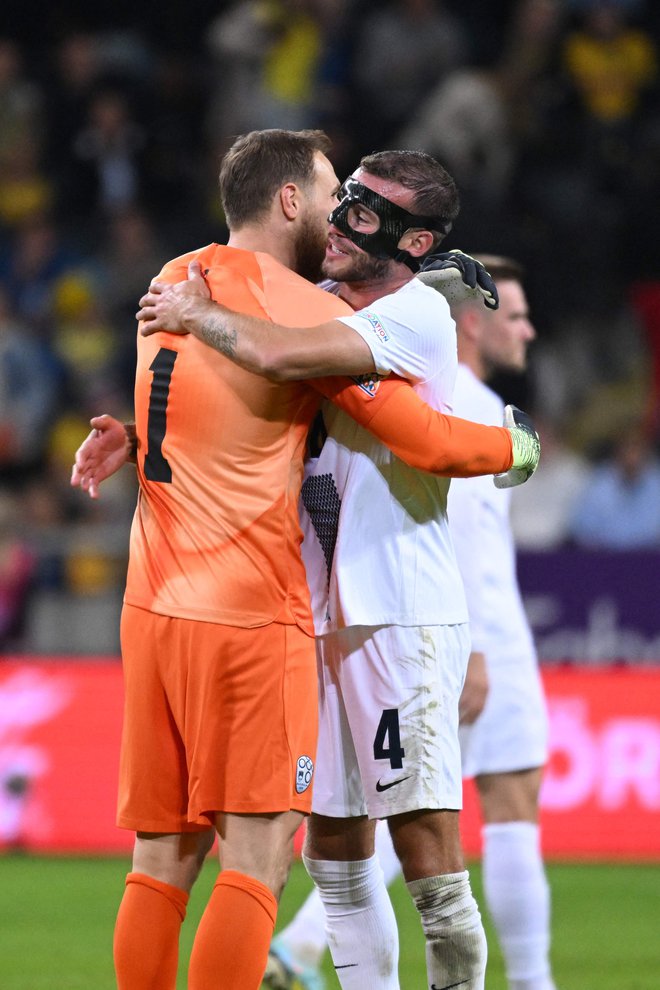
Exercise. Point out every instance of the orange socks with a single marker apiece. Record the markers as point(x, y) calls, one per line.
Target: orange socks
point(146, 945)
point(231, 944)
point(232, 941)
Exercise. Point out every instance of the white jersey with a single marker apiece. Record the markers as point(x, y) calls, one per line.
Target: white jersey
point(481, 531)
point(377, 546)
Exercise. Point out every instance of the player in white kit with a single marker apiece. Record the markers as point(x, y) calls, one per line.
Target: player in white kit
point(503, 743)
point(505, 747)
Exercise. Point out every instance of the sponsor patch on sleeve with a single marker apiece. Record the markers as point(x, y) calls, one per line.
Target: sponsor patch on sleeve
point(375, 324)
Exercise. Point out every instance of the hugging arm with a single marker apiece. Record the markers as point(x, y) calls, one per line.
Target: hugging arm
point(277, 352)
point(420, 435)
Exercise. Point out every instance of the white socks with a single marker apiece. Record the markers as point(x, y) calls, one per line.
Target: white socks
point(360, 923)
point(360, 913)
point(455, 939)
point(518, 900)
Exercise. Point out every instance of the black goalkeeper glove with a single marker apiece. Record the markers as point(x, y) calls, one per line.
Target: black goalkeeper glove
point(459, 277)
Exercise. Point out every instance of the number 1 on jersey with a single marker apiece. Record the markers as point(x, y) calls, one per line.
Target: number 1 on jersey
point(156, 465)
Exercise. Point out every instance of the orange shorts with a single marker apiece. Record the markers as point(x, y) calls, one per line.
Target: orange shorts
point(216, 718)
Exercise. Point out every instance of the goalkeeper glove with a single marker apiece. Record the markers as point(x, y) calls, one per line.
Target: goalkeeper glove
point(526, 449)
point(442, 271)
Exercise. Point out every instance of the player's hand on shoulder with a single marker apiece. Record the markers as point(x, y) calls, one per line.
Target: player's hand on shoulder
point(172, 307)
point(459, 277)
point(526, 448)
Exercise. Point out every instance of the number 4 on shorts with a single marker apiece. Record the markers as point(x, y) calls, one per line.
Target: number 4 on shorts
point(388, 731)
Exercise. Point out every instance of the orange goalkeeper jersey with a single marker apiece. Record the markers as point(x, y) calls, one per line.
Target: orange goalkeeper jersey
point(216, 535)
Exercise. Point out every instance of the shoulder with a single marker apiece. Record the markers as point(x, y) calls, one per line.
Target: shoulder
point(416, 293)
point(294, 301)
point(414, 305)
point(176, 270)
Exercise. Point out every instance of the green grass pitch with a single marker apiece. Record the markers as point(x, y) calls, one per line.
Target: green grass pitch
point(57, 914)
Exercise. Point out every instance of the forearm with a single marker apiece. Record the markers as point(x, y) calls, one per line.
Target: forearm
point(215, 325)
point(421, 436)
point(445, 445)
point(277, 352)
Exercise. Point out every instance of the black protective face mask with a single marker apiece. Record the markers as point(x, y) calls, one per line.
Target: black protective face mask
point(391, 223)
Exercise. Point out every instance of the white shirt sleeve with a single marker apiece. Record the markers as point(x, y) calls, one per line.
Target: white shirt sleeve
point(410, 333)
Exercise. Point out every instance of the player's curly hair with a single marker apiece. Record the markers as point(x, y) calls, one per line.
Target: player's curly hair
point(260, 163)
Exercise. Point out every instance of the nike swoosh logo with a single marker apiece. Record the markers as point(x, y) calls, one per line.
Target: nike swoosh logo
point(451, 985)
point(346, 966)
point(385, 787)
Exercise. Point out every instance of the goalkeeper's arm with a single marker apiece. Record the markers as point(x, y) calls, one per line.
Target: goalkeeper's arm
point(423, 437)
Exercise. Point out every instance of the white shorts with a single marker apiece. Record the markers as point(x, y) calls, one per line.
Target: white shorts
point(512, 731)
point(388, 720)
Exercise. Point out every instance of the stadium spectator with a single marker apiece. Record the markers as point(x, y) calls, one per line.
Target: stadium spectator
point(30, 380)
point(70, 82)
point(406, 47)
point(17, 566)
point(542, 520)
point(106, 168)
point(267, 57)
point(620, 504)
point(609, 70)
point(464, 123)
point(20, 100)
point(35, 257)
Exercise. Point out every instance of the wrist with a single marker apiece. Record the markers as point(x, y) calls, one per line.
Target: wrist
point(131, 442)
point(197, 314)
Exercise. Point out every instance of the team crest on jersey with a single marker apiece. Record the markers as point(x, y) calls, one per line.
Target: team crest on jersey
point(304, 771)
point(368, 383)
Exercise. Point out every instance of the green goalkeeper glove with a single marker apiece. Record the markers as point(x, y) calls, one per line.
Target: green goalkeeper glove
point(459, 277)
point(526, 449)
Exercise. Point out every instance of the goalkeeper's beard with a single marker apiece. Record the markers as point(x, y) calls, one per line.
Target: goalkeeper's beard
point(310, 249)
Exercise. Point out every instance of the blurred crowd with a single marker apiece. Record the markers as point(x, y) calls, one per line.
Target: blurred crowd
point(112, 127)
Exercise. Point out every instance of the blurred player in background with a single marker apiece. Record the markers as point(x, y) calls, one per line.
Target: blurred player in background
point(502, 711)
point(201, 597)
point(503, 744)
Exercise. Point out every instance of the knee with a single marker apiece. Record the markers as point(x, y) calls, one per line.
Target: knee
point(176, 859)
point(427, 843)
point(339, 838)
